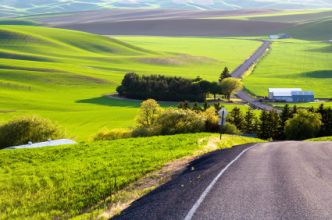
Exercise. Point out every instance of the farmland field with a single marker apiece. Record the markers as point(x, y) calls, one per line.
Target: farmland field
point(49, 72)
point(50, 182)
point(294, 64)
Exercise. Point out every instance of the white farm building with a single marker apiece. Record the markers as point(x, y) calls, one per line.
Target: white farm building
point(290, 95)
point(273, 37)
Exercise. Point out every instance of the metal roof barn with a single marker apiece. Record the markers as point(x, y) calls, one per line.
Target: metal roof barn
point(273, 90)
point(305, 96)
point(43, 144)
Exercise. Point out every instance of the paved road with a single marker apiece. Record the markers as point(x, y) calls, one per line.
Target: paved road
point(277, 180)
point(243, 68)
point(249, 62)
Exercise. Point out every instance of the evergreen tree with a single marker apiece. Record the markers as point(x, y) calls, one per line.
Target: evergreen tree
point(328, 121)
point(217, 106)
point(273, 124)
point(206, 105)
point(249, 125)
point(181, 105)
point(263, 127)
point(284, 116)
point(323, 129)
point(236, 118)
point(294, 111)
point(187, 105)
point(311, 109)
point(225, 74)
point(196, 108)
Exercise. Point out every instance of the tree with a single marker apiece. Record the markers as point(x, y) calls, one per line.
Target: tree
point(196, 107)
point(303, 125)
point(249, 118)
point(236, 118)
point(181, 105)
point(22, 129)
point(217, 106)
point(293, 110)
point(187, 105)
point(215, 88)
point(148, 113)
point(284, 116)
point(230, 85)
point(205, 86)
point(273, 124)
point(225, 74)
point(206, 105)
point(197, 79)
point(263, 127)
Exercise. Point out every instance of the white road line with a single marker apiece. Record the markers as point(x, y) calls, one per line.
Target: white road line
point(201, 198)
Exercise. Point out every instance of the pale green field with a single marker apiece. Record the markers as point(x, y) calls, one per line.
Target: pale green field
point(61, 74)
point(287, 16)
point(294, 64)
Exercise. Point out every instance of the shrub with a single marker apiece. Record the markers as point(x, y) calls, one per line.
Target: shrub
point(230, 129)
point(145, 132)
point(173, 121)
point(212, 120)
point(22, 129)
point(303, 125)
point(148, 113)
point(105, 134)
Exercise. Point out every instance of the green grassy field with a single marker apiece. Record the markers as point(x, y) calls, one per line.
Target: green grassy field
point(62, 74)
point(302, 104)
point(11, 21)
point(321, 139)
point(294, 64)
point(49, 182)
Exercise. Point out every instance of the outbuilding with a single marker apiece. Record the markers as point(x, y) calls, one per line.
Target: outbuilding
point(291, 95)
point(284, 36)
point(282, 91)
point(273, 37)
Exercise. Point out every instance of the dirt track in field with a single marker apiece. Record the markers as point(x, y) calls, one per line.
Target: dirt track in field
point(179, 27)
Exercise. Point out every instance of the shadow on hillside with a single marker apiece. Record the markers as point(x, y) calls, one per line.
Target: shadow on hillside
point(327, 49)
point(105, 101)
point(323, 74)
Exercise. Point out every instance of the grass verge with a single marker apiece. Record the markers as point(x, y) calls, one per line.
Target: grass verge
point(65, 181)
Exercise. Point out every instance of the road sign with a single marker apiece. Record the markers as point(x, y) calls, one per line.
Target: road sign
point(223, 123)
point(223, 110)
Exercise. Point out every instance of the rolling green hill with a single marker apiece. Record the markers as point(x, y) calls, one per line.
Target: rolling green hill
point(63, 181)
point(11, 21)
point(62, 74)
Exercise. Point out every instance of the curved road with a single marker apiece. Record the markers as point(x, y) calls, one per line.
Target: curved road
point(277, 180)
point(237, 73)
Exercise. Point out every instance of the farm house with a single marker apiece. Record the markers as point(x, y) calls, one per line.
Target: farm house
point(291, 95)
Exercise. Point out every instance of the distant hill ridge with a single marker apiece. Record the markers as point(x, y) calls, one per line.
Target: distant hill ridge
point(21, 7)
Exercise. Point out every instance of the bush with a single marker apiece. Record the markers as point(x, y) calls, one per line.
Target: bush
point(145, 132)
point(212, 120)
point(22, 129)
point(303, 125)
point(180, 121)
point(230, 129)
point(104, 134)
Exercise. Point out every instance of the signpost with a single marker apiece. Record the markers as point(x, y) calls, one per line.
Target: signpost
point(223, 113)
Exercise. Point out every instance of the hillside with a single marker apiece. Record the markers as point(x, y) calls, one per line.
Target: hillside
point(51, 73)
point(64, 180)
point(21, 7)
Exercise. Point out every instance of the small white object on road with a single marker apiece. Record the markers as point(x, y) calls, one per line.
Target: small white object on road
point(207, 190)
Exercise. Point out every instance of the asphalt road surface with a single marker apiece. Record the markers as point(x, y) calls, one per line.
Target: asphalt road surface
point(237, 73)
point(277, 180)
point(249, 62)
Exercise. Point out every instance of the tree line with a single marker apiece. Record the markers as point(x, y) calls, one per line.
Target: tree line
point(292, 123)
point(166, 88)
